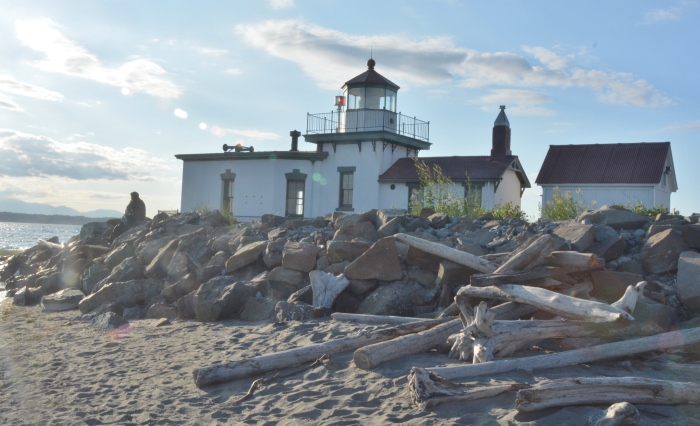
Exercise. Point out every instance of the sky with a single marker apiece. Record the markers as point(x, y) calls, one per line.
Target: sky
point(96, 97)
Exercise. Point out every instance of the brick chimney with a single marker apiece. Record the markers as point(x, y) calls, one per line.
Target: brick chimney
point(500, 141)
point(295, 140)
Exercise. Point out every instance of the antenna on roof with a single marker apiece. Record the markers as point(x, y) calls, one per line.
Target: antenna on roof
point(370, 52)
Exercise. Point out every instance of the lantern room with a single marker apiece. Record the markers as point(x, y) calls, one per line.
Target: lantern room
point(370, 90)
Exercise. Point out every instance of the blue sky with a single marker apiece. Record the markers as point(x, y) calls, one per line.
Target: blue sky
point(97, 97)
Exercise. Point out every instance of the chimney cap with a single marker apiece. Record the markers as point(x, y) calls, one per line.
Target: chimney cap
point(294, 133)
point(502, 120)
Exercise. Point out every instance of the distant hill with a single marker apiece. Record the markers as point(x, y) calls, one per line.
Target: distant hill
point(18, 206)
point(52, 219)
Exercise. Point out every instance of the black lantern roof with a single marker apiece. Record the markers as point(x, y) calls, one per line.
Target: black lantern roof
point(370, 78)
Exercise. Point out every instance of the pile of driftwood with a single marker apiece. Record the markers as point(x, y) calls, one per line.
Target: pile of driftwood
point(532, 278)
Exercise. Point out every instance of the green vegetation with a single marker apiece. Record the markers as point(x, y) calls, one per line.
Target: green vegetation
point(439, 193)
point(639, 208)
point(563, 206)
point(4, 252)
point(202, 209)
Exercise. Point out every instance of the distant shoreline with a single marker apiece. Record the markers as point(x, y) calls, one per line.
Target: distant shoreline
point(53, 219)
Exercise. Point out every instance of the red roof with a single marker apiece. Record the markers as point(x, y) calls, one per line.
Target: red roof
point(456, 168)
point(641, 162)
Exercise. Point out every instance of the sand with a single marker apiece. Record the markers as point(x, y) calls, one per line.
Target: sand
point(54, 371)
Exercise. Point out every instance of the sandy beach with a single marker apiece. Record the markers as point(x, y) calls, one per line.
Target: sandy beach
point(57, 371)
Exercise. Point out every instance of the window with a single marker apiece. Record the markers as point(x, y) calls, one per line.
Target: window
point(356, 98)
point(472, 192)
point(347, 176)
point(296, 182)
point(227, 180)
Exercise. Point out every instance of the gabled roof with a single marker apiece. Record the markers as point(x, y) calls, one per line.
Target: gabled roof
point(457, 168)
point(620, 163)
point(371, 77)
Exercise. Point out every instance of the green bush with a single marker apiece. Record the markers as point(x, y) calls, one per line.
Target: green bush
point(563, 206)
point(508, 211)
point(639, 208)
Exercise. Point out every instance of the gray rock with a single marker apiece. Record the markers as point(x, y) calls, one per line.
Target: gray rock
point(353, 219)
point(581, 236)
point(148, 251)
point(660, 252)
point(391, 227)
point(93, 229)
point(337, 268)
point(109, 321)
point(608, 249)
point(133, 313)
point(284, 275)
point(300, 256)
point(481, 237)
point(162, 310)
point(296, 311)
point(423, 277)
point(245, 256)
point(102, 309)
point(229, 240)
point(130, 269)
point(360, 287)
point(346, 303)
point(158, 268)
point(379, 262)
point(415, 223)
point(609, 286)
point(691, 236)
point(185, 285)
point(341, 251)
point(64, 300)
point(127, 293)
point(471, 248)
point(688, 280)
point(322, 263)
point(118, 255)
point(618, 414)
point(390, 299)
point(185, 306)
point(422, 259)
point(385, 216)
point(364, 231)
point(303, 295)
point(648, 310)
point(273, 253)
point(258, 309)
point(92, 252)
point(213, 219)
point(616, 217)
point(221, 298)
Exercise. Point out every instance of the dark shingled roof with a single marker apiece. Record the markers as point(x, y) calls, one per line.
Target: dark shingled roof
point(641, 162)
point(456, 168)
point(373, 77)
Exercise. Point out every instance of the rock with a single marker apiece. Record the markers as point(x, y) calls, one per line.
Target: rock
point(648, 310)
point(633, 266)
point(92, 252)
point(688, 280)
point(22, 297)
point(162, 310)
point(212, 218)
point(660, 252)
point(453, 274)
point(481, 237)
point(353, 219)
point(289, 311)
point(619, 414)
point(148, 251)
point(465, 226)
point(158, 268)
point(130, 269)
point(360, 287)
point(471, 248)
point(64, 300)
point(229, 240)
point(655, 228)
point(109, 321)
point(423, 277)
point(608, 249)
point(341, 251)
point(438, 220)
point(691, 236)
point(118, 255)
point(337, 268)
point(391, 227)
point(322, 263)
point(258, 309)
point(346, 303)
point(127, 293)
point(380, 262)
point(364, 231)
point(423, 260)
point(133, 313)
point(245, 256)
point(385, 216)
point(273, 253)
point(102, 309)
point(93, 229)
point(326, 287)
point(610, 286)
point(271, 221)
point(284, 275)
point(615, 217)
point(185, 285)
point(221, 298)
point(390, 299)
point(415, 223)
point(300, 256)
point(581, 236)
point(303, 295)
point(185, 306)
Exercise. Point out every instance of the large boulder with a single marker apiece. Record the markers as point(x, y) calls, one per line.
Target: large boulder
point(660, 252)
point(581, 236)
point(688, 280)
point(609, 249)
point(92, 275)
point(298, 311)
point(342, 251)
point(185, 306)
point(229, 240)
point(609, 286)
point(93, 230)
point(390, 299)
point(245, 256)
point(614, 216)
point(391, 227)
point(185, 285)
point(127, 294)
point(647, 310)
point(287, 276)
point(691, 236)
point(353, 219)
point(130, 269)
point(221, 298)
point(64, 300)
point(117, 255)
point(149, 250)
point(258, 309)
point(361, 231)
point(273, 253)
point(380, 262)
point(300, 256)
point(159, 265)
point(108, 321)
point(480, 236)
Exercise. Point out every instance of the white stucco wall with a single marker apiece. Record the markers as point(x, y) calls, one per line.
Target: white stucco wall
point(396, 198)
point(508, 191)
point(596, 196)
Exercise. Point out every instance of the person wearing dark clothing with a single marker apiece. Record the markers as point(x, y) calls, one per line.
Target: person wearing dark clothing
point(135, 212)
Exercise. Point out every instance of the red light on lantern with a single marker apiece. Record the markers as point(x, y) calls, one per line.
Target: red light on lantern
point(340, 101)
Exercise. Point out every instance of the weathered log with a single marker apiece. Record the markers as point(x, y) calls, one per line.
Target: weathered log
point(326, 287)
point(628, 301)
point(620, 413)
point(527, 257)
point(559, 304)
point(448, 253)
point(604, 390)
point(427, 389)
point(571, 258)
point(371, 356)
point(49, 245)
point(663, 341)
point(373, 319)
point(504, 311)
point(516, 277)
point(475, 340)
point(220, 373)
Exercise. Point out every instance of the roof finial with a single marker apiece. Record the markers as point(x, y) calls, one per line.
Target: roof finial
point(503, 107)
point(370, 62)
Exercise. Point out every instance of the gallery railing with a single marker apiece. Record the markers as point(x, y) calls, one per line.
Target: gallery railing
point(365, 120)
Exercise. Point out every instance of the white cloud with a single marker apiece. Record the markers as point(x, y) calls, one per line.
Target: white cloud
point(250, 134)
point(7, 103)
point(281, 4)
point(233, 71)
point(28, 155)
point(517, 102)
point(64, 56)
point(331, 57)
point(203, 126)
point(661, 15)
point(210, 51)
point(11, 85)
point(180, 113)
point(683, 127)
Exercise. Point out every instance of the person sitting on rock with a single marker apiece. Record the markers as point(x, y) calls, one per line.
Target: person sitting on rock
point(135, 212)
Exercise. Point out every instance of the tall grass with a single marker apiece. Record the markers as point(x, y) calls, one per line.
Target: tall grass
point(563, 206)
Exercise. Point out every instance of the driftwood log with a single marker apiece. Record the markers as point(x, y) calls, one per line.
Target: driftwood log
point(663, 341)
point(559, 304)
point(427, 389)
point(527, 255)
point(371, 356)
point(448, 253)
point(571, 258)
point(604, 390)
point(373, 319)
point(629, 300)
point(220, 373)
point(326, 287)
point(516, 277)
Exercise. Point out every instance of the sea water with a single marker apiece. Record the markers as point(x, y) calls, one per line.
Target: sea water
point(21, 236)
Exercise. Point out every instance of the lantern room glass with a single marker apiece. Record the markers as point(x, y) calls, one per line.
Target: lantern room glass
point(371, 98)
